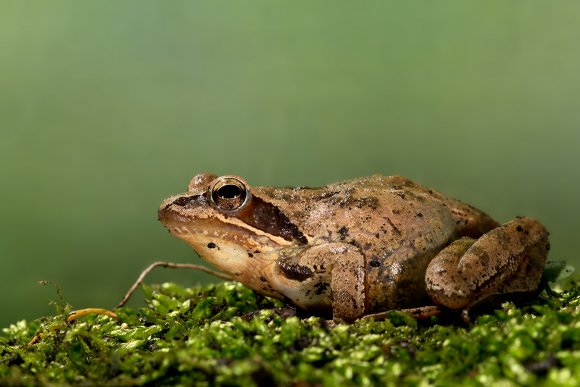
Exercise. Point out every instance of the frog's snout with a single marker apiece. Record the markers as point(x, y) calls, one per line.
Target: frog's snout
point(168, 212)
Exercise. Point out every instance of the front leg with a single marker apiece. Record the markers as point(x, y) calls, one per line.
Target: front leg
point(326, 276)
point(348, 284)
point(508, 259)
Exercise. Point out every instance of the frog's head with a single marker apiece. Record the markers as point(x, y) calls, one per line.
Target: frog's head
point(226, 224)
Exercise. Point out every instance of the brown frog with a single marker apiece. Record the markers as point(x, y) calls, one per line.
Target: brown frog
point(357, 247)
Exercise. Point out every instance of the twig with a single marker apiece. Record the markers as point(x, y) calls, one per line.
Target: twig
point(172, 265)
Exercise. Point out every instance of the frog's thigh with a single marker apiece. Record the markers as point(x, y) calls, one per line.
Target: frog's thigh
point(509, 258)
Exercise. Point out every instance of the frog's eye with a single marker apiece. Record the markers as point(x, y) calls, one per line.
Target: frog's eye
point(229, 193)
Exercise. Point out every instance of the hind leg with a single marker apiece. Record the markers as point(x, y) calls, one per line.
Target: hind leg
point(507, 259)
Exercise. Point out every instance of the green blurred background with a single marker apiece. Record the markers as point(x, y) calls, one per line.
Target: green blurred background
point(108, 107)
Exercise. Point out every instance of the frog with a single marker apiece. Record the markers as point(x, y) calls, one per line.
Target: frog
point(358, 247)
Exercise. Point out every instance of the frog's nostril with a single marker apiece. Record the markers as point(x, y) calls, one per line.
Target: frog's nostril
point(182, 201)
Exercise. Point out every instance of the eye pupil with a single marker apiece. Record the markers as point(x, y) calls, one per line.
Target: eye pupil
point(229, 193)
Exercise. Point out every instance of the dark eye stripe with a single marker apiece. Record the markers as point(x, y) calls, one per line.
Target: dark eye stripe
point(268, 218)
point(259, 214)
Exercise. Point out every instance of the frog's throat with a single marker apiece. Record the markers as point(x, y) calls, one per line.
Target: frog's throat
point(231, 251)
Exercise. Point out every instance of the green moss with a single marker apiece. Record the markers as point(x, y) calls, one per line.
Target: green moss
point(226, 334)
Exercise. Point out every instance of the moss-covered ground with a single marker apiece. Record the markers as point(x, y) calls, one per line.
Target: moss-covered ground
point(227, 335)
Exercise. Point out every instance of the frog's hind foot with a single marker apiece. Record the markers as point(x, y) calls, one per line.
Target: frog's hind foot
point(507, 260)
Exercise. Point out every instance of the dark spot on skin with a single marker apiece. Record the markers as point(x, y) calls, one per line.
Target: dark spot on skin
point(343, 231)
point(375, 263)
point(211, 245)
point(520, 228)
point(263, 279)
point(377, 235)
point(294, 271)
point(321, 287)
point(250, 254)
point(419, 215)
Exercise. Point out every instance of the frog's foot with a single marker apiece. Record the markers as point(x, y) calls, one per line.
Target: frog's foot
point(339, 264)
point(420, 313)
point(507, 260)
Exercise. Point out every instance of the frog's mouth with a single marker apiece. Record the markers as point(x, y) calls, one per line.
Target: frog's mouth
point(205, 231)
point(200, 229)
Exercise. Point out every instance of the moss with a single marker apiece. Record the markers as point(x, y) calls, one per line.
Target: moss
point(226, 334)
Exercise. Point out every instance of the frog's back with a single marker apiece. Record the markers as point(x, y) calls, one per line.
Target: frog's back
point(467, 220)
point(382, 181)
point(375, 211)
